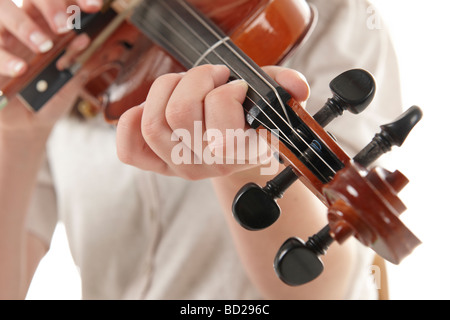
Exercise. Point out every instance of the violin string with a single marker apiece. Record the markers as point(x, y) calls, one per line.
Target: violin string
point(164, 40)
point(212, 31)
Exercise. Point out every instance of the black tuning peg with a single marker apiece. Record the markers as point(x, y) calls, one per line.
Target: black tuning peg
point(298, 263)
point(353, 90)
point(255, 208)
point(392, 134)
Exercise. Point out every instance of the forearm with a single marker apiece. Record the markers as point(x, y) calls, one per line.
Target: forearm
point(20, 159)
point(302, 216)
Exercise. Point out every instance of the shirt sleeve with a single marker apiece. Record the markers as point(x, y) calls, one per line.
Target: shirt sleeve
point(343, 39)
point(42, 215)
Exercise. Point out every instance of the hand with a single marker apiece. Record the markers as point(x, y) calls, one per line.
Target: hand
point(197, 103)
point(18, 26)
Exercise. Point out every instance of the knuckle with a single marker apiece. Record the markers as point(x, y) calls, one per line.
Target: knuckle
point(165, 78)
point(177, 112)
point(124, 157)
point(203, 69)
point(7, 40)
point(124, 154)
point(122, 148)
point(150, 128)
point(24, 27)
point(126, 121)
point(214, 97)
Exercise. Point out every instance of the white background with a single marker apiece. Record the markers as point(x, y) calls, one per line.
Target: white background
point(420, 30)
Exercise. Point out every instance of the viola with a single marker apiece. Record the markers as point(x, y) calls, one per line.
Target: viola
point(164, 36)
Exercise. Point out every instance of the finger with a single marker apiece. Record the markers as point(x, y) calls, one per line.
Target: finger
point(55, 13)
point(186, 103)
point(6, 38)
point(173, 146)
point(10, 65)
point(185, 109)
point(132, 149)
point(79, 44)
point(90, 6)
point(291, 80)
point(18, 23)
point(224, 112)
point(155, 130)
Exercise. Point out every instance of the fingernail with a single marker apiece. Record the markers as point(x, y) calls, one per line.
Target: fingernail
point(303, 78)
point(94, 3)
point(41, 41)
point(16, 67)
point(240, 82)
point(303, 104)
point(221, 67)
point(60, 21)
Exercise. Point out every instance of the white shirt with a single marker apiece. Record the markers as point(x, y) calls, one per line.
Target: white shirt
point(136, 234)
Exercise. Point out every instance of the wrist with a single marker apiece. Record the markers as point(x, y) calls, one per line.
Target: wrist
point(20, 141)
